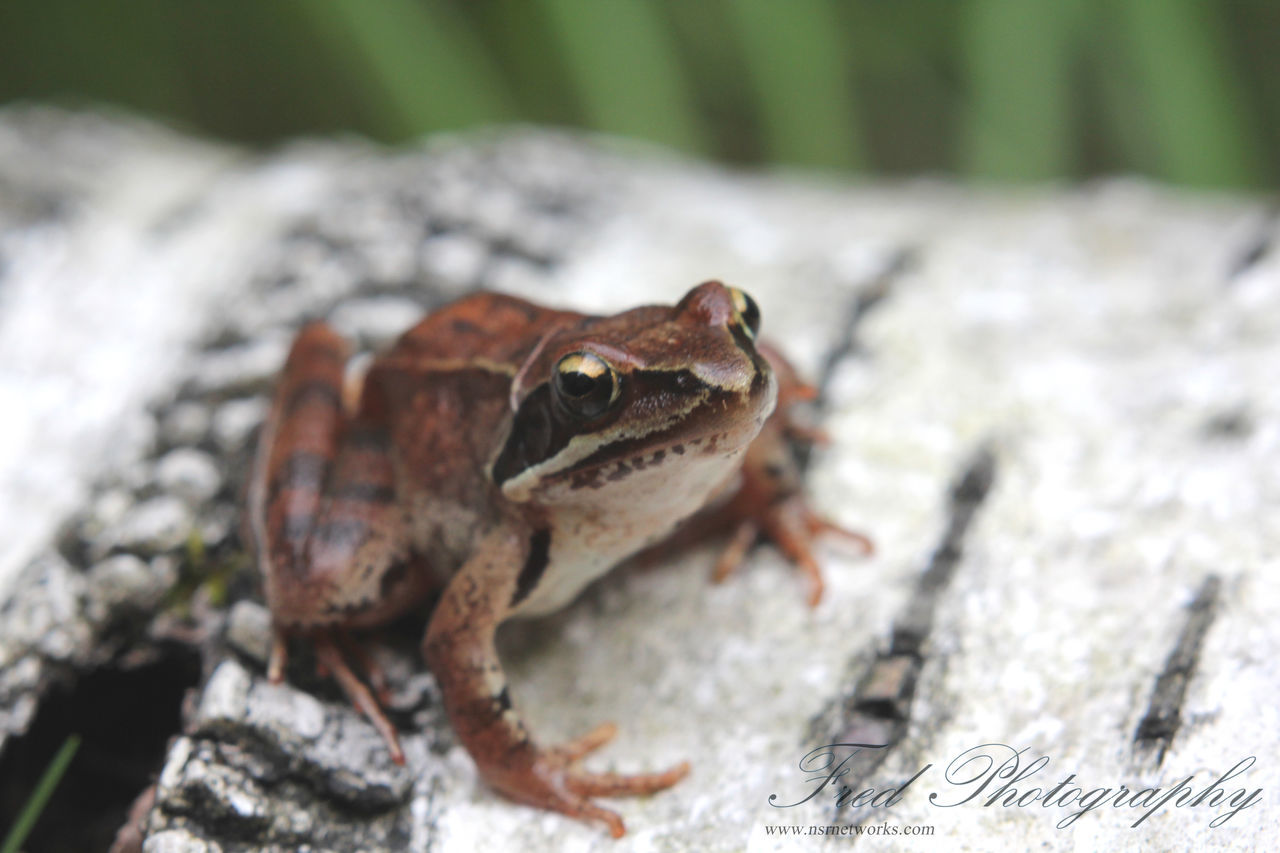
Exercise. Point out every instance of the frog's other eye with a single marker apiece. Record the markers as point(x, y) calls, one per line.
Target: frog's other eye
point(585, 384)
point(747, 310)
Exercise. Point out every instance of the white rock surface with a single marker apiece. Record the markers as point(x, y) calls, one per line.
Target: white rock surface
point(190, 474)
point(1100, 339)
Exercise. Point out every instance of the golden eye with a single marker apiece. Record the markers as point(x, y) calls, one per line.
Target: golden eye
point(585, 384)
point(747, 310)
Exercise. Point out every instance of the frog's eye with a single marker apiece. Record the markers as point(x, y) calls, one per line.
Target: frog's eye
point(747, 310)
point(585, 384)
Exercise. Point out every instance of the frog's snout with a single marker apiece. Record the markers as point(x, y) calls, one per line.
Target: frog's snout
point(714, 303)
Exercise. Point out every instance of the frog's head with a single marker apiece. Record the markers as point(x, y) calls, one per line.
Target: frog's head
point(639, 404)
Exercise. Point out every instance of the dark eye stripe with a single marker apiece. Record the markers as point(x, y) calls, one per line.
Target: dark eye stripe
point(537, 435)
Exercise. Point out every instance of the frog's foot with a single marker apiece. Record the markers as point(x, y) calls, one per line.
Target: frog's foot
point(792, 526)
point(330, 661)
point(551, 779)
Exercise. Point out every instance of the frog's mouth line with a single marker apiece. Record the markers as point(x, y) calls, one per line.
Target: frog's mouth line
point(702, 431)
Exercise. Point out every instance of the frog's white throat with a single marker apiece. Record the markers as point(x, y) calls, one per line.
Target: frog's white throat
point(640, 505)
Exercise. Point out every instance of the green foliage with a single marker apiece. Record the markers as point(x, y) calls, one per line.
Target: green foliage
point(40, 795)
point(1181, 90)
point(198, 572)
point(624, 69)
point(1017, 126)
point(799, 63)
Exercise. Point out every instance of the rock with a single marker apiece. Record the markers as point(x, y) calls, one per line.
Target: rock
point(109, 509)
point(377, 322)
point(216, 523)
point(278, 713)
point(152, 527)
point(455, 257)
point(241, 369)
point(190, 474)
point(19, 683)
point(235, 421)
point(43, 629)
point(200, 783)
point(178, 841)
point(125, 581)
point(48, 616)
point(249, 630)
point(340, 752)
point(248, 734)
point(185, 424)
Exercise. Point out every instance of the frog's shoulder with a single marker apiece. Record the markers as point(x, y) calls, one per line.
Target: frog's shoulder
point(485, 325)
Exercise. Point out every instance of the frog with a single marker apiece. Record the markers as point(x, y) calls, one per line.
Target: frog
point(495, 460)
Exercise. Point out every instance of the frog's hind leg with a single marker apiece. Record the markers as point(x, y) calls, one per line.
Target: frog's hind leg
point(324, 519)
point(295, 454)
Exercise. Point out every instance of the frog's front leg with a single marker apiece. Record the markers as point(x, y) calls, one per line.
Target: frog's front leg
point(459, 647)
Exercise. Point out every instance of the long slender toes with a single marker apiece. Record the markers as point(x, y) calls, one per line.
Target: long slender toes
point(278, 659)
point(797, 551)
point(736, 551)
point(327, 654)
point(816, 584)
point(808, 434)
point(788, 527)
point(817, 524)
point(625, 785)
point(590, 742)
point(587, 810)
point(373, 670)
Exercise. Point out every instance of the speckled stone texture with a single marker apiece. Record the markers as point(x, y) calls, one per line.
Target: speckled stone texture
point(1055, 411)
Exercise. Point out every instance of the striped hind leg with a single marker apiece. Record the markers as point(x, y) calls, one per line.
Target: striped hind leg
point(324, 519)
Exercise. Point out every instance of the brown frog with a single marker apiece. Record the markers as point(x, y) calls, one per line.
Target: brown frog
point(502, 455)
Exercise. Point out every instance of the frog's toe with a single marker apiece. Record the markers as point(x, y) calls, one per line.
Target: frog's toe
point(553, 780)
point(588, 743)
point(331, 662)
point(625, 785)
point(608, 784)
point(792, 526)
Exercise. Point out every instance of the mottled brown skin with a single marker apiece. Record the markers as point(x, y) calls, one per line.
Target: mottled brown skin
point(505, 455)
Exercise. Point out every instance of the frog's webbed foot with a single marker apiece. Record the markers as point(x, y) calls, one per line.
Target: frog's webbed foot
point(331, 662)
point(551, 779)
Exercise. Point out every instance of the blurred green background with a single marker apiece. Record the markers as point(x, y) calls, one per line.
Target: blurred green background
point(1186, 91)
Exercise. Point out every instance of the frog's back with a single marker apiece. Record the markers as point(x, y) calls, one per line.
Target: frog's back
point(492, 327)
point(443, 393)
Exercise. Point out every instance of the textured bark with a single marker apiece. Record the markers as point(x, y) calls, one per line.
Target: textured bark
point(1055, 411)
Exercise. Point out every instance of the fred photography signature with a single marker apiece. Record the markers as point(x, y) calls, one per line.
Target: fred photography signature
point(996, 775)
